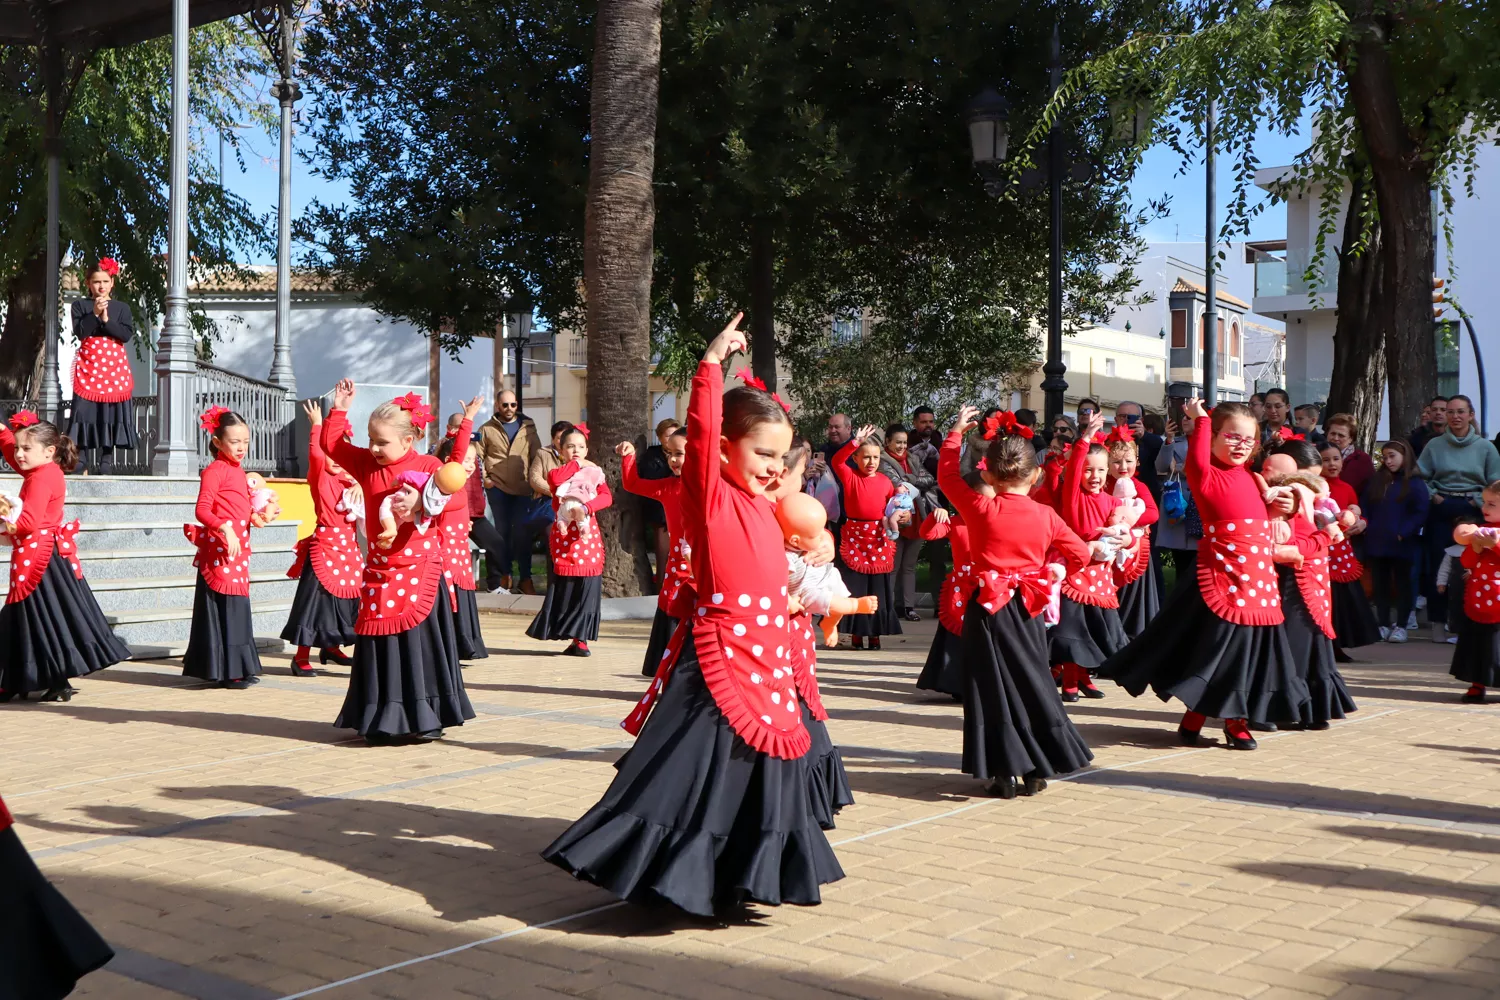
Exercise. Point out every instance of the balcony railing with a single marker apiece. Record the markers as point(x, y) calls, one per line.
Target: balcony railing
point(132, 462)
point(578, 353)
point(263, 405)
point(1276, 277)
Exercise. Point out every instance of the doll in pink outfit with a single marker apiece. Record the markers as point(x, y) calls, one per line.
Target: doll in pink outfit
point(573, 498)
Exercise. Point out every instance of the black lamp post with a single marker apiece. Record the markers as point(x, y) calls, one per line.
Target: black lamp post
point(988, 138)
point(518, 335)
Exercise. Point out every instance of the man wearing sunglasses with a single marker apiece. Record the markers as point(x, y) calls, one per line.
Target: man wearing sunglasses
point(506, 443)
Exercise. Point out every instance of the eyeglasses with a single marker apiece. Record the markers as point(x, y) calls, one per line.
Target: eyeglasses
point(1234, 439)
point(509, 406)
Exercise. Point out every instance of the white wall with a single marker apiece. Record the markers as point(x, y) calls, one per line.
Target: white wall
point(1475, 279)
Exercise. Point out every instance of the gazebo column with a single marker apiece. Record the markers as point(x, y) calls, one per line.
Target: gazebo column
point(49, 397)
point(176, 452)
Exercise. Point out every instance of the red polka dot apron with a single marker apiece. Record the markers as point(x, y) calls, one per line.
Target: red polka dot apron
point(1094, 584)
point(222, 574)
point(1482, 592)
point(333, 553)
point(457, 566)
point(400, 584)
point(1317, 590)
point(32, 553)
point(1235, 573)
point(101, 371)
point(745, 651)
point(994, 589)
point(1135, 568)
point(805, 664)
point(865, 549)
point(1342, 566)
point(957, 586)
point(576, 551)
point(677, 579)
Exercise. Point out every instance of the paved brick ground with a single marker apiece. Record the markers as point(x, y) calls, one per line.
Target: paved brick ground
point(234, 846)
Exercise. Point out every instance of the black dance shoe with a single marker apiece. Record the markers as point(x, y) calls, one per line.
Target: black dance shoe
point(301, 669)
point(1070, 696)
point(1002, 788)
point(1090, 691)
point(1239, 742)
point(335, 656)
point(1317, 727)
point(238, 685)
point(1189, 737)
point(576, 648)
point(1034, 784)
point(1261, 727)
point(911, 615)
point(64, 693)
point(379, 740)
point(427, 737)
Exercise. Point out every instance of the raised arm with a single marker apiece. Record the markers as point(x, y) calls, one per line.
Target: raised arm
point(335, 447)
point(932, 529)
point(1200, 452)
point(1071, 502)
point(630, 478)
point(701, 481)
point(840, 462)
point(317, 462)
point(950, 478)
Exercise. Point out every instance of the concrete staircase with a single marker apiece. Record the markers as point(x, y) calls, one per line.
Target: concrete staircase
point(140, 566)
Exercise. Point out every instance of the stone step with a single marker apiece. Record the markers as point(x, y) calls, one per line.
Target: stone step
point(106, 486)
point(171, 626)
point(175, 649)
point(132, 563)
point(135, 593)
point(130, 509)
point(155, 535)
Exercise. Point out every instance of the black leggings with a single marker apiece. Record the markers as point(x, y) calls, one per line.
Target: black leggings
point(483, 534)
point(1391, 578)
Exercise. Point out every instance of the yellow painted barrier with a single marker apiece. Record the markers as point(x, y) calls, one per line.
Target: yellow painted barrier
point(296, 504)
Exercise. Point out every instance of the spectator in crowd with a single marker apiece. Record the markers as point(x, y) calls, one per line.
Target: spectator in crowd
point(1457, 466)
point(652, 464)
point(1131, 415)
point(924, 439)
point(1086, 408)
point(838, 431)
point(1172, 537)
point(1258, 406)
point(1306, 418)
point(1434, 423)
point(897, 464)
point(1341, 431)
point(1275, 413)
point(547, 459)
point(1395, 506)
point(1152, 442)
point(507, 442)
point(820, 483)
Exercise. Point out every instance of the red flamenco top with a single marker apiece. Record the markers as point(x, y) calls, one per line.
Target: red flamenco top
point(954, 595)
point(1344, 567)
point(578, 548)
point(1482, 592)
point(1312, 576)
point(1235, 573)
point(223, 499)
point(332, 549)
point(863, 544)
point(740, 625)
point(39, 530)
point(668, 493)
point(1086, 513)
point(101, 368)
point(1010, 536)
point(400, 583)
point(1049, 485)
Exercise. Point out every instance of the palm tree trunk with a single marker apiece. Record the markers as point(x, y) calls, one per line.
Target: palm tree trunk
point(617, 251)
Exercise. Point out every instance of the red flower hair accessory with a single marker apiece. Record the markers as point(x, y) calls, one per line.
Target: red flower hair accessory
point(1004, 422)
point(109, 266)
point(782, 403)
point(752, 381)
point(1120, 433)
point(582, 428)
point(421, 416)
point(22, 419)
point(983, 465)
point(209, 418)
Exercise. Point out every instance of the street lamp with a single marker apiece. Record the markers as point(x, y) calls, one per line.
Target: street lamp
point(518, 337)
point(988, 139)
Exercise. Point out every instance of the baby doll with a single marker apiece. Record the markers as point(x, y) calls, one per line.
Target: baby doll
point(1131, 509)
point(819, 589)
point(263, 499)
point(436, 486)
point(573, 497)
point(10, 513)
point(900, 501)
point(1280, 478)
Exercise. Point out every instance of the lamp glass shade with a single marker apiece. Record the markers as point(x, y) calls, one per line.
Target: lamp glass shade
point(988, 135)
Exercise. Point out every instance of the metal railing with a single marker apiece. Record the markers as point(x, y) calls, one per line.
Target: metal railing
point(578, 352)
point(128, 462)
point(263, 405)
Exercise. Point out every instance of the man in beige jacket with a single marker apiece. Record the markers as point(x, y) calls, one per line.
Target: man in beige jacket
point(507, 442)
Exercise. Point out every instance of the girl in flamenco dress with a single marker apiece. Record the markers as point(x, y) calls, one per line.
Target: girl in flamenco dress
point(1136, 581)
point(1014, 723)
point(46, 945)
point(221, 646)
point(677, 576)
point(1221, 646)
point(405, 685)
point(453, 526)
point(575, 584)
point(329, 564)
point(103, 416)
point(943, 669)
point(1354, 620)
point(867, 558)
point(51, 628)
point(710, 809)
point(1476, 656)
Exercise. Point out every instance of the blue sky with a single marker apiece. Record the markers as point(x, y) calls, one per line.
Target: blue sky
point(1158, 174)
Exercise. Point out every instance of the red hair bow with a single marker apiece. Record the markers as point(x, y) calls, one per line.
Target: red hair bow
point(1004, 422)
point(421, 416)
point(1120, 433)
point(109, 266)
point(23, 418)
point(782, 403)
point(751, 380)
point(983, 465)
point(582, 428)
point(1287, 435)
point(209, 418)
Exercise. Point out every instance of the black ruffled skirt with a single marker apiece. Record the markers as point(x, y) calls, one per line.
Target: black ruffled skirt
point(1014, 723)
point(1312, 651)
point(318, 619)
point(662, 627)
point(1476, 657)
point(221, 646)
point(1215, 667)
point(1353, 619)
point(696, 817)
point(56, 633)
point(470, 636)
point(1140, 600)
point(1085, 634)
point(409, 682)
point(827, 784)
point(46, 945)
point(885, 620)
point(570, 610)
point(943, 671)
point(102, 425)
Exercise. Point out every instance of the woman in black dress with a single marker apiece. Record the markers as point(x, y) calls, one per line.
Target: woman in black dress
point(103, 414)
